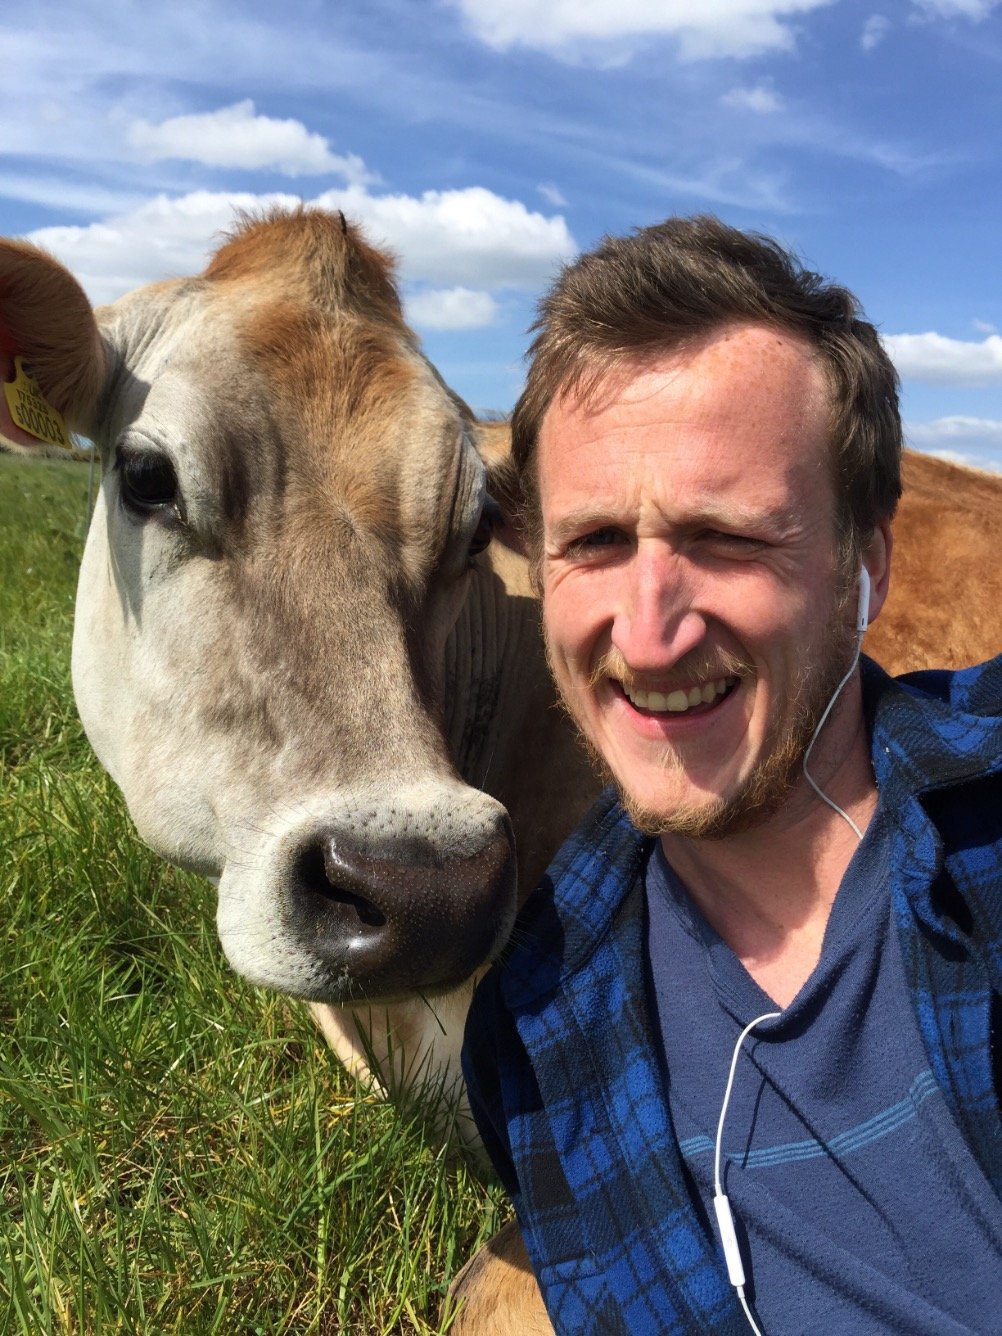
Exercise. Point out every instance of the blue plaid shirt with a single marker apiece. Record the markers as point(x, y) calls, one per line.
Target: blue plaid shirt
point(561, 1051)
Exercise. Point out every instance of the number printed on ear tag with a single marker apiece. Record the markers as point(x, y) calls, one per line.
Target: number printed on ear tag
point(31, 411)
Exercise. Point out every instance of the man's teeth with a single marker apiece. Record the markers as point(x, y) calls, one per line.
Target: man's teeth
point(677, 701)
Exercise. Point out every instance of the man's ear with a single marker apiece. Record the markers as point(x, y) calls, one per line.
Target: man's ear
point(46, 320)
point(493, 441)
point(877, 560)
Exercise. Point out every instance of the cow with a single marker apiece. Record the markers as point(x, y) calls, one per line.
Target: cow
point(306, 648)
point(290, 651)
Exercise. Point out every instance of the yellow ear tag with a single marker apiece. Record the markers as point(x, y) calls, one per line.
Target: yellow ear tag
point(31, 412)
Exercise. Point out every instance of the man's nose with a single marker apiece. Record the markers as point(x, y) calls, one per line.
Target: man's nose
point(656, 623)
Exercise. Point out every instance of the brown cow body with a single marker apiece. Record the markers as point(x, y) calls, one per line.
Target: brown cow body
point(944, 609)
point(302, 682)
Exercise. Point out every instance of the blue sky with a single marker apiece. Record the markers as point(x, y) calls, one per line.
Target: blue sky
point(487, 141)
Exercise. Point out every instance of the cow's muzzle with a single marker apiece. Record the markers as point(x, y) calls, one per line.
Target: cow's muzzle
point(381, 925)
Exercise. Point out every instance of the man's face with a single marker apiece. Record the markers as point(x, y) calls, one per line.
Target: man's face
point(693, 612)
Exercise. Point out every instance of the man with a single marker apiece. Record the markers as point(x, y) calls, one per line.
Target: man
point(709, 445)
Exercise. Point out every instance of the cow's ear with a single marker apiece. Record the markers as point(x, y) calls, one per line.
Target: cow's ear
point(503, 485)
point(47, 322)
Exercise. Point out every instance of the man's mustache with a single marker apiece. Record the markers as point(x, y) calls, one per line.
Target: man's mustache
point(692, 670)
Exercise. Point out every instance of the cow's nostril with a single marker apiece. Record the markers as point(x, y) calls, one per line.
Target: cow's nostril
point(313, 884)
point(381, 924)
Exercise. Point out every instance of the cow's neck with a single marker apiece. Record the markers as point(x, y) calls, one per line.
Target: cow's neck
point(507, 733)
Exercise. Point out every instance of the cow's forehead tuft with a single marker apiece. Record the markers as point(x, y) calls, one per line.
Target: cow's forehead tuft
point(319, 256)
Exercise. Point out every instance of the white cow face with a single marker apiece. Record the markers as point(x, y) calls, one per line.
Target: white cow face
point(282, 543)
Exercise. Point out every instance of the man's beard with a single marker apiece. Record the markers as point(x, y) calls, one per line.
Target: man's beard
point(766, 789)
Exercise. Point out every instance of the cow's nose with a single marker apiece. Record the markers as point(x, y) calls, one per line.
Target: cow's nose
point(387, 924)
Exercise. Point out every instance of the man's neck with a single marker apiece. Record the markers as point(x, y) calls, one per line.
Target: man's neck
point(769, 891)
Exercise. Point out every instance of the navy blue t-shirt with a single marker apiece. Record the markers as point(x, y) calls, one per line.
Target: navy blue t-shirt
point(863, 1209)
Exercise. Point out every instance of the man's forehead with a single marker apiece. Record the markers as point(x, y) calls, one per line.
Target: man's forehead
point(734, 430)
point(745, 392)
point(772, 356)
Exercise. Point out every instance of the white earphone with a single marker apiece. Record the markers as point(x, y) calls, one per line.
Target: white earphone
point(721, 1205)
point(863, 607)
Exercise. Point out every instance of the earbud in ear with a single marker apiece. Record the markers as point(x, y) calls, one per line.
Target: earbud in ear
point(863, 607)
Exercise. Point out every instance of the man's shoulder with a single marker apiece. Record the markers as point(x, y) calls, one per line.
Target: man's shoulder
point(522, 1001)
point(573, 907)
point(937, 727)
point(975, 691)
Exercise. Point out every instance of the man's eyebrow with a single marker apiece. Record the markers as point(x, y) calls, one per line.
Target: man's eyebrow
point(773, 522)
point(585, 519)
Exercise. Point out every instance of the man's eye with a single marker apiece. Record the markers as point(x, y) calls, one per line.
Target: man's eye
point(719, 538)
point(596, 539)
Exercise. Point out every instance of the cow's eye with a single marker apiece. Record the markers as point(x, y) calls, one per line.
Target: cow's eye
point(148, 482)
point(490, 519)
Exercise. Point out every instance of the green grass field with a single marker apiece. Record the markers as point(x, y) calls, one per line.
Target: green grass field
point(178, 1150)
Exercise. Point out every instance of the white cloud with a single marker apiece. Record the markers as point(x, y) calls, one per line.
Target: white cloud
point(941, 361)
point(461, 238)
point(976, 442)
point(984, 327)
point(552, 195)
point(957, 430)
point(236, 137)
point(875, 29)
point(471, 237)
point(976, 10)
point(761, 98)
point(703, 28)
point(162, 238)
point(451, 308)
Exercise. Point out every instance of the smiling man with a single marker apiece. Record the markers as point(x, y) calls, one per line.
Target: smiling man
point(795, 878)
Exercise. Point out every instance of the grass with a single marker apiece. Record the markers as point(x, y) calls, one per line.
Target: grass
point(178, 1151)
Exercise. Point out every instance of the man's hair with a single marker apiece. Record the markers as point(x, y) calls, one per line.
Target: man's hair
point(668, 286)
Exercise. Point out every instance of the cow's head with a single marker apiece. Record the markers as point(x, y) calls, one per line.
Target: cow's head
point(290, 506)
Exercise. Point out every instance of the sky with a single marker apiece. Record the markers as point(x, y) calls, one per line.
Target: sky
point(486, 142)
